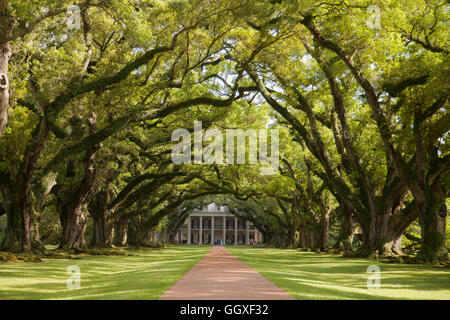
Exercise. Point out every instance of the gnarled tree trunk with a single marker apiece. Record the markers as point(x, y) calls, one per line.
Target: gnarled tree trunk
point(14, 226)
point(346, 233)
point(433, 212)
point(73, 221)
point(21, 226)
point(120, 232)
point(324, 226)
point(98, 209)
point(72, 215)
point(5, 54)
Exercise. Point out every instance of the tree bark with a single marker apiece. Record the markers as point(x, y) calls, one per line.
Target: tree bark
point(397, 245)
point(22, 234)
point(346, 233)
point(5, 54)
point(72, 214)
point(98, 209)
point(133, 233)
point(293, 238)
point(389, 229)
point(73, 221)
point(120, 232)
point(6, 30)
point(325, 227)
point(14, 230)
point(433, 227)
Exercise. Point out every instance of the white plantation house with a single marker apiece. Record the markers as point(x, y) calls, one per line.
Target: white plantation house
point(214, 224)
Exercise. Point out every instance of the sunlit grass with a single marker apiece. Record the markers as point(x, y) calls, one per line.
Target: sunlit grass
point(307, 275)
point(145, 275)
point(149, 273)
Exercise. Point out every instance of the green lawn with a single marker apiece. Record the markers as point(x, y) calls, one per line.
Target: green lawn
point(146, 275)
point(307, 275)
point(149, 273)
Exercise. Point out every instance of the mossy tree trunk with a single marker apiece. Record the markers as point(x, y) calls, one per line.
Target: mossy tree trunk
point(134, 233)
point(324, 225)
point(98, 209)
point(120, 232)
point(14, 228)
point(302, 237)
point(22, 234)
point(73, 221)
point(428, 185)
point(5, 54)
point(390, 226)
point(433, 213)
point(7, 28)
point(71, 204)
point(346, 232)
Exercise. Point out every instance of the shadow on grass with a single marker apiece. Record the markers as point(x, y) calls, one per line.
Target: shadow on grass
point(145, 275)
point(308, 275)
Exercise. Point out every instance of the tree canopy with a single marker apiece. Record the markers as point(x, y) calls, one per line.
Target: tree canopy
point(357, 90)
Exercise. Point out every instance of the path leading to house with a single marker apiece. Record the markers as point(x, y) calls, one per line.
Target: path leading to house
point(221, 276)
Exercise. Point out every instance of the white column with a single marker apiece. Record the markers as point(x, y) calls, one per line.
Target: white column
point(224, 229)
point(189, 230)
point(247, 233)
point(212, 230)
point(201, 231)
point(235, 231)
point(256, 236)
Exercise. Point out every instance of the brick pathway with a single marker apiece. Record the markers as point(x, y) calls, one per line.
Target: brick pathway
point(221, 276)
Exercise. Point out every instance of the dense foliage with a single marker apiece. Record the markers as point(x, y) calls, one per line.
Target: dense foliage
point(358, 91)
